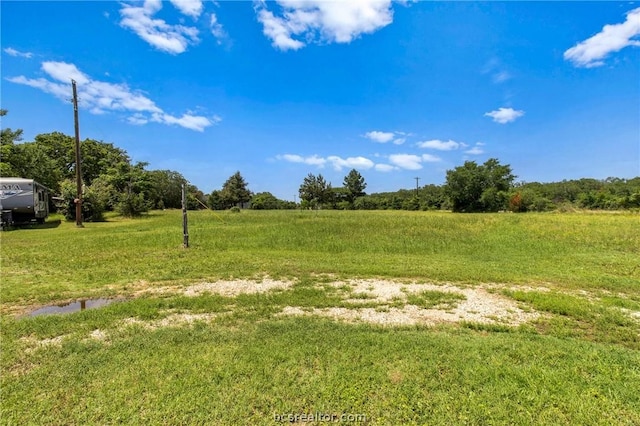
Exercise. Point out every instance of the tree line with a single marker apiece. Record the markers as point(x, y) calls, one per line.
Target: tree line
point(472, 187)
point(112, 182)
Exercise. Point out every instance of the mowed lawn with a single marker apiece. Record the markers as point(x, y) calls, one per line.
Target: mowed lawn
point(159, 356)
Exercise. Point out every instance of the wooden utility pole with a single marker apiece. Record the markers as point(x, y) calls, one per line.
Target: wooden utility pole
point(185, 228)
point(417, 180)
point(78, 199)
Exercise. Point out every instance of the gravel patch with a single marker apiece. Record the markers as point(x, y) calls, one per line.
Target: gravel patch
point(98, 335)
point(635, 315)
point(173, 320)
point(479, 306)
point(236, 287)
point(35, 344)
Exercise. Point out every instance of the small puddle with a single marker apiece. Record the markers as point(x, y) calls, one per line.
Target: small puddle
point(69, 308)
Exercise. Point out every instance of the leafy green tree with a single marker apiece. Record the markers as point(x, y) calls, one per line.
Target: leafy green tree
point(95, 200)
point(355, 185)
point(196, 200)
point(96, 156)
point(214, 201)
point(265, 201)
point(484, 188)
point(367, 202)
point(31, 162)
point(432, 197)
point(411, 204)
point(234, 191)
point(8, 138)
point(166, 189)
point(315, 191)
point(130, 186)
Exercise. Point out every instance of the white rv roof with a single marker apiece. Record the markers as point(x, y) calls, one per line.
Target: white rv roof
point(15, 180)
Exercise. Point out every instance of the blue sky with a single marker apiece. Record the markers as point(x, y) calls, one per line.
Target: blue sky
point(278, 90)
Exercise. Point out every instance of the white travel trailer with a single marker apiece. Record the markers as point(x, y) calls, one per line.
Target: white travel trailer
point(23, 201)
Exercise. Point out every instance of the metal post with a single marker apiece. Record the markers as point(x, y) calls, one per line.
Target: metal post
point(78, 199)
point(185, 230)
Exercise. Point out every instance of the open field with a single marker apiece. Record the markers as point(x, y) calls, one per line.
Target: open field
point(387, 317)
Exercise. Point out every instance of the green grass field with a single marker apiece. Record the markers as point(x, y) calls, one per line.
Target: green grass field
point(162, 355)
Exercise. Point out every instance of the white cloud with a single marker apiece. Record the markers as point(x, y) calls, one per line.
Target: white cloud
point(322, 21)
point(406, 161)
point(138, 119)
point(380, 137)
point(337, 162)
point(384, 167)
point(441, 145)
point(191, 8)
point(216, 29)
point(428, 158)
point(62, 91)
point(399, 161)
point(501, 76)
point(168, 38)
point(591, 52)
point(64, 72)
point(100, 97)
point(13, 52)
point(277, 30)
point(476, 150)
point(495, 67)
point(313, 160)
point(504, 115)
point(188, 121)
point(350, 162)
point(384, 137)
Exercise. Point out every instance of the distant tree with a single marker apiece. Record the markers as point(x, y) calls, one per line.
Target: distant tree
point(234, 191)
point(196, 200)
point(166, 189)
point(130, 187)
point(484, 188)
point(355, 185)
point(315, 191)
point(95, 200)
point(432, 197)
point(265, 201)
point(367, 202)
point(411, 204)
point(214, 201)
